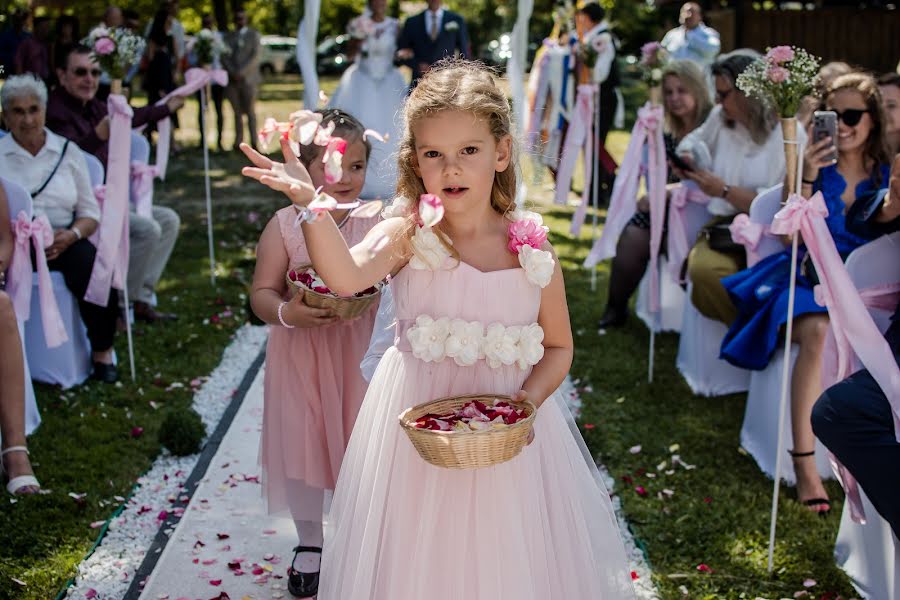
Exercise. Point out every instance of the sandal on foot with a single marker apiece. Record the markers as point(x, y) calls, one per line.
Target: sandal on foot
point(303, 585)
point(812, 502)
point(23, 484)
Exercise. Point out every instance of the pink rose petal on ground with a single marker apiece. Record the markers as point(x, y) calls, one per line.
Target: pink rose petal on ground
point(268, 556)
point(215, 582)
point(635, 449)
point(97, 524)
point(137, 432)
point(640, 490)
point(704, 568)
point(808, 583)
point(634, 576)
point(589, 425)
point(91, 593)
point(210, 561)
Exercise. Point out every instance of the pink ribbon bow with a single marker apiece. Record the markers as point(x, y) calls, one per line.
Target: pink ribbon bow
point(111, 261)
point(578, 137)
point(142, 176)
point(647, 130)
point(195, 79)
point(678, 243)
point(851, 323)
point(748, 234)
point(40, 233)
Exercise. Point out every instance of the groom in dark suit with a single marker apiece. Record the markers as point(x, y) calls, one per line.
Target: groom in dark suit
point(431, 35)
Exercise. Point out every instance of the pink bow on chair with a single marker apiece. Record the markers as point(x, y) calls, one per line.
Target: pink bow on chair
point(142, 176)
point(647, 130)
point(748, 234)
point(195, 79)
point(678, 243)
point(578, 137)
point(111, 261)
point(40, 233)
point(851, 323)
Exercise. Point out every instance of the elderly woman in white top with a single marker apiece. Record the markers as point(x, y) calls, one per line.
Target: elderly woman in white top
point(55, 172)
point(736, 153)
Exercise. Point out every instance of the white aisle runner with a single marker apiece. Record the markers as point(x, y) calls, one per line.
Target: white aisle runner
point(226, 542)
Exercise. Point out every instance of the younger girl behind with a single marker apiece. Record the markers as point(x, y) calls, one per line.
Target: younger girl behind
point(313, 385)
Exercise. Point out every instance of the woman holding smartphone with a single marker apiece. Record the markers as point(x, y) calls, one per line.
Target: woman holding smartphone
point(761, 292)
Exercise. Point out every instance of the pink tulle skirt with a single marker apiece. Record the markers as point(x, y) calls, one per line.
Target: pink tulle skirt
point(539, 527)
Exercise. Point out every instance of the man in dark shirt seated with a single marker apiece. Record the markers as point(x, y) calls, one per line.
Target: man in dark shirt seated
point(853, 417)
point(74, 112)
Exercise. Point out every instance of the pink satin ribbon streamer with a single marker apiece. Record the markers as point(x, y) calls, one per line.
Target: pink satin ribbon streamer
point(142, 187)
point(748, 234)
point(195, 79)
point(111, 261)
point(100, 195)
point(647, 130)
point(40, 233)
point(678, 243)
point(851, 323)
point(578, 137)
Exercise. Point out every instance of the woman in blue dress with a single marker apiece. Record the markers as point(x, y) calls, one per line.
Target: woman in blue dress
point(761, 292)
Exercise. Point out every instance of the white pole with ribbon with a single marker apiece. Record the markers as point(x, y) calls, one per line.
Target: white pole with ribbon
point(594, 131)
point(307, 32)
point(209, 213)
point(794, 164)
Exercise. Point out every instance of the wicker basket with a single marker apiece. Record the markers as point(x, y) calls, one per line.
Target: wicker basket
point(467, 449)
point(343, 308)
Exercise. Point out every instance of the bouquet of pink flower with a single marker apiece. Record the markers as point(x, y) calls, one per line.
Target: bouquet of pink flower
point(781, 78)
point(653, 58)
point(115, 50)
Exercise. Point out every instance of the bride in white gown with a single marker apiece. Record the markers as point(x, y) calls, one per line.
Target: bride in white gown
point(373, 91)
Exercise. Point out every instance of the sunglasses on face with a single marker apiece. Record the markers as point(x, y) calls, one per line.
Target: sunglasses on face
point(83, 72)
point(851, 117)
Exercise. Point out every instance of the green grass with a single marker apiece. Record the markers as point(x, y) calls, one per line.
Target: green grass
point(84, 444)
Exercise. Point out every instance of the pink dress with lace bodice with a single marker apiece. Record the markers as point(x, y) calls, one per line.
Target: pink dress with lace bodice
point(313, 391)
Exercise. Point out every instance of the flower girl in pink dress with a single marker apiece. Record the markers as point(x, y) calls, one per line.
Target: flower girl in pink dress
point(313, 386)
point(481, 308)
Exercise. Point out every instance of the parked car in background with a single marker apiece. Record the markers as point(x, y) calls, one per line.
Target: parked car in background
point(275, 55)
point(331, 56)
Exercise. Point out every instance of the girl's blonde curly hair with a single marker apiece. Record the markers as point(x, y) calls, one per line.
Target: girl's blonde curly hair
point(465, 86)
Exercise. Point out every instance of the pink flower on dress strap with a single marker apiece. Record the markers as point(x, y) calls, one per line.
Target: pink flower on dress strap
point(334, 156)
point(526, 232)
point(431, 210)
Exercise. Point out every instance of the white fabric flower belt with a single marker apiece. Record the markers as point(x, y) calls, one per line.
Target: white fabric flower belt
point(467, 342)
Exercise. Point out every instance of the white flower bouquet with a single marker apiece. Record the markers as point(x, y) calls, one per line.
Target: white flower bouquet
point(208, 47)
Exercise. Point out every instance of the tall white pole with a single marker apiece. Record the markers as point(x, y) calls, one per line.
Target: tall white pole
point(209, 214)
point(785, 375)
point(128, 314)
point(595, 180)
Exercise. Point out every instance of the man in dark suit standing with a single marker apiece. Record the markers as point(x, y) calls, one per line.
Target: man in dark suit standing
point(431, 35)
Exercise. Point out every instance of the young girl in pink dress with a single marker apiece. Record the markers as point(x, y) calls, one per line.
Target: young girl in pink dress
point(313, 385)
point(481, 308)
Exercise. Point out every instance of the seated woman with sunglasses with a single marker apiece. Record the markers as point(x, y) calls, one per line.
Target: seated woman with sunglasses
point(761, 292)
point(56, 174)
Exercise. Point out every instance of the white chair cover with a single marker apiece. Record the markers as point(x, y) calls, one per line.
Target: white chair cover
point(140, 152)
point(95, 168)
point(698, 356)
point(671, 294)
point(762, 211)
point(18, 199)
point(69, 364)
point(869, 554)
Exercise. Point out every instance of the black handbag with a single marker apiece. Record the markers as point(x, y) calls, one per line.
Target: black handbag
point(718, 237)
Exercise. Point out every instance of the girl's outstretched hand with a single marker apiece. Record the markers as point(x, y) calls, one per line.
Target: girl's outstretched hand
point(290, 177)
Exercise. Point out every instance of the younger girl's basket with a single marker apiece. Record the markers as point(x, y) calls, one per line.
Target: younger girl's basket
point(299, 280)
point(468, 449)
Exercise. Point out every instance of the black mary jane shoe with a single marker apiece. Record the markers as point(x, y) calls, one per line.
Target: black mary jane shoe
point(612, 318)
point(303, 585)
point(105, 373)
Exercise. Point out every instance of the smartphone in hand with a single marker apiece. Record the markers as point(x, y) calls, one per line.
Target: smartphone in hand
point(825, 125)
point(677, 161)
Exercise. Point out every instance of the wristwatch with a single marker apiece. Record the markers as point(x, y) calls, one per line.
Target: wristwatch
point(725, 189)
